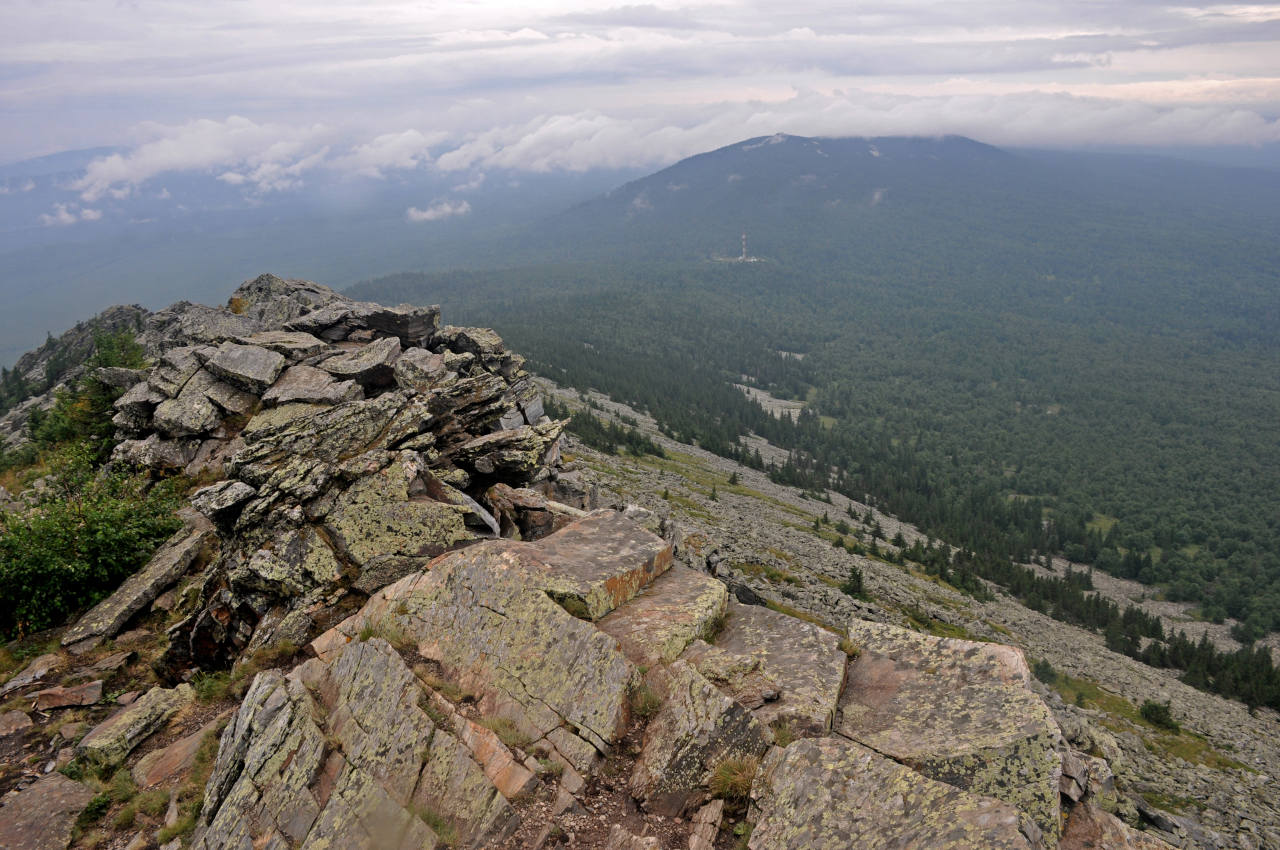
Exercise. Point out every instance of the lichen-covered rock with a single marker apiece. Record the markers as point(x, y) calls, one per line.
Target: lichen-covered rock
point(519, 451)
point(111, 741)
point(370, 366)
point(156, 453)
point(678, 607)
point(219, 502)
point(309, 385)
point(830, 794)
point(597, 563)
point(170, 561)
point(43, 816)
point(35, 672)
point(343, 755)
point(696, 728)
point(958, 711)
point(484, 614)
point(376, 516)
point(294, 345)
point(740, 676)
point(804, 660)
point(249, 367)
point(420, 370)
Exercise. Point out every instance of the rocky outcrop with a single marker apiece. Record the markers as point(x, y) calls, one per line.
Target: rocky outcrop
point(828, 794)
point(43, 816)
point(957, 711)
point(109, 743)
point(341, 470)
point(343, 754)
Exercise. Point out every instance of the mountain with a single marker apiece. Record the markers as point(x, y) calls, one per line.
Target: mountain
point(1023, 352)
point(398, 606)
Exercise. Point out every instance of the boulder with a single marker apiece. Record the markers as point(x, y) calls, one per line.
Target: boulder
point(518, 452)
point(220, 502)
point(1089, 827)
point(678, 607)
point(13, 723)
point(65, 697)
point(310, 385)
point(621, 839)
point(830, 794)
point(343, 755)
point(43, 816)
point(185, 416)
point(481, 342)
point(175, 368)
point(156, 453)
point(696, 728)
point(294, 345)
point(111, 741)
point(419, 370)
point(957, 711)
point(248, 367)
point(370, 366)
point(805, 661)
point(167, 564)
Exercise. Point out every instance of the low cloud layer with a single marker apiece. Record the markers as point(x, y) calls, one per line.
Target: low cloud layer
point(438, 211)
point(267, 97)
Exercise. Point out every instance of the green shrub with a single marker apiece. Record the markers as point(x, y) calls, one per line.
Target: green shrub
point(87, 534)
point(1044, 671)
point(1158, 714)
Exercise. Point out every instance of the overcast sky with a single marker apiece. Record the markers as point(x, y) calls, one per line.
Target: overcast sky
point(263, 92)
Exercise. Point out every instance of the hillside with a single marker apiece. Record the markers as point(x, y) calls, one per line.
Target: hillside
point(399, 607)
point(987, 340)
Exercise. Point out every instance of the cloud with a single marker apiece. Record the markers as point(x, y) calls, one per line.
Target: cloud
point(269, 157)
point(438, 210)
point(67, 214)
point(403, 150)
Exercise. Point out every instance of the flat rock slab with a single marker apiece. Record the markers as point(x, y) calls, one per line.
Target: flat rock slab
point(139, 590)
point(111, 741)
point(37, 669)
point(697, 728)
point(655, 626)
point(42, 816)
point(172, 763)
point(86, 694)
point(831, 794)
point(370, 366)
point(342, 755)
point(13, 723)
point(1090, 828)
point(805, 661)
point(484, 614)
point(958, 711)
point(309, 385)
point(247, 367)
point(601, 561)
point(295, 345)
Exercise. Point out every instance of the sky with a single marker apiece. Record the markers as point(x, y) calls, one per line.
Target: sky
point(266, 95)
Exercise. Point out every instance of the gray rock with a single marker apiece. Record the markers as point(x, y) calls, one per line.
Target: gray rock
point(118, 376)
point(33, 673)
point(157, 453)
point(309, 385)
point(110, 742)
point(247, 367)
point(696, 729)
point(175, 368)
point(295, 345)
point(420, 370)
point(42, 816)
point(187, 415)
point(219, 502)
point(343, 755)
point(829, 794)
point(371, 366)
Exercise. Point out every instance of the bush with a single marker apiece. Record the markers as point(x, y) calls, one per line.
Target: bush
point(731, 780)
point(1158, 714)
point(86, 535)
point(1044, 671)
point(853, 584)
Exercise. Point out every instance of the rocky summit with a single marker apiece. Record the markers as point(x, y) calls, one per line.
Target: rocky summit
point(395, 616)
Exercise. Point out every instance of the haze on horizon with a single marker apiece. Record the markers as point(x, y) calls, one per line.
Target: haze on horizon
point(266, 95)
